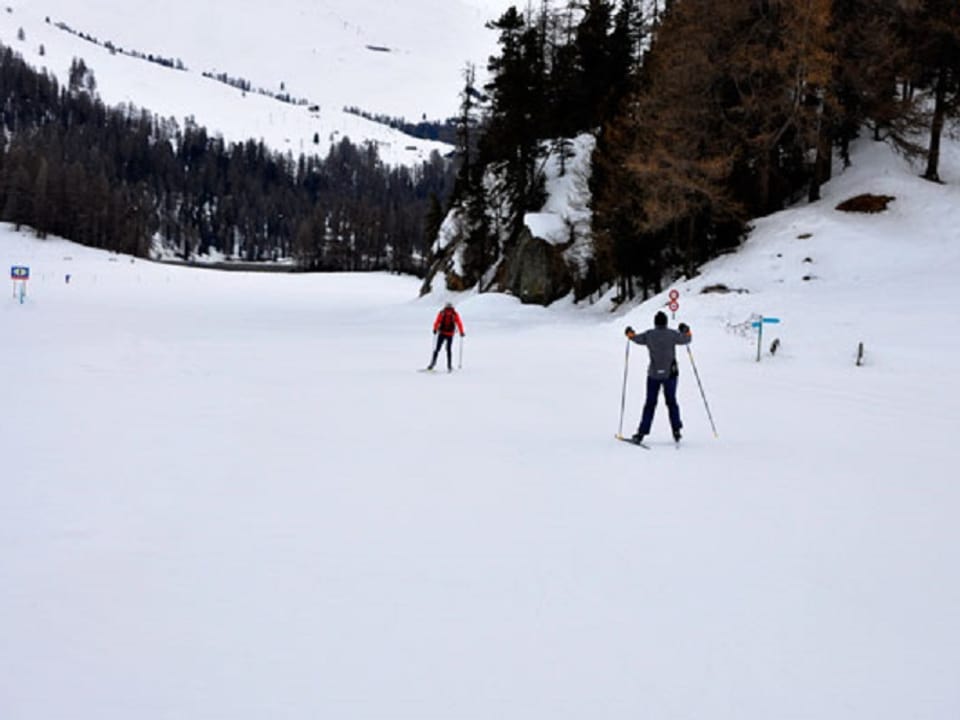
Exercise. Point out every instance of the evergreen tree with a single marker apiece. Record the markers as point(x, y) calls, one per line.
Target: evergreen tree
point(933, 30)
point(596, 60)
point(467, 124)
point(868, 55)
point(40, 211)
point(516, 93)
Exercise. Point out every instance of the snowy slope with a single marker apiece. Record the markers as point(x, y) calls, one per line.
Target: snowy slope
point(315, 50)
point(230, 496)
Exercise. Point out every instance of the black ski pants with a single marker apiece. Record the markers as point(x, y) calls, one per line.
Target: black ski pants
point(441, 339)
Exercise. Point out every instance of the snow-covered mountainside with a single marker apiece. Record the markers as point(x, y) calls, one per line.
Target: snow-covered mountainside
point(400, 59)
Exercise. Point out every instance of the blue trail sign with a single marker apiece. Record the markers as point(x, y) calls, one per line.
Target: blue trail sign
point(20, 274)
point(759, 325)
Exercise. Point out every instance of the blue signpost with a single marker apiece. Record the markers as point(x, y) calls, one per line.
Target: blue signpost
point(759, 325)
point(20, 274)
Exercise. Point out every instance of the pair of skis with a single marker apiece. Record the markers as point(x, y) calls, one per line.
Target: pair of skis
point(625, 439)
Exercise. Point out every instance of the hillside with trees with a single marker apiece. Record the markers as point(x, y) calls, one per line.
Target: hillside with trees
point(125, 180)
point(707, 113)
point(703, 115)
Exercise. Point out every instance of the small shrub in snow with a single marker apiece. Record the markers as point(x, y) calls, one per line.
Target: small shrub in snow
point(866, 203)
point(721, 289)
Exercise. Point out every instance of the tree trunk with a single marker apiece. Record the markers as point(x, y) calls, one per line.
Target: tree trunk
point(763, 181)
point(936, 128)
point(823, 163)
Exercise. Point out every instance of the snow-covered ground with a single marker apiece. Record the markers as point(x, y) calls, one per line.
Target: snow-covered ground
point(332, 53)
point(231, 496)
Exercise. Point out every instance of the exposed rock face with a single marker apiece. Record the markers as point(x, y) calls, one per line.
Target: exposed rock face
point(442, 271)
point(535, 271)
point(538, 257)
point(532, 270)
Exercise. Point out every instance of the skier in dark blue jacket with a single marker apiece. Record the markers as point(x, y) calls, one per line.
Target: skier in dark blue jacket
point(661, 342)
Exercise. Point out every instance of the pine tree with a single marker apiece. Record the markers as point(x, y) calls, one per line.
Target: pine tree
point(597, 63)
point(41, 220)
point(868, 56)
point(517, 93)
point(466, 135)
point(567, 115)
point(933, 27)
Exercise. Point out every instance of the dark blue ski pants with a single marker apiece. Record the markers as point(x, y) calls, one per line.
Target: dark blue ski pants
point(669, 386)
point(441, 339)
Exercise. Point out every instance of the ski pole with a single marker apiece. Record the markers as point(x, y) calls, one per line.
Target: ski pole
point(623, 394)
point(702, 394)
point(460, 359)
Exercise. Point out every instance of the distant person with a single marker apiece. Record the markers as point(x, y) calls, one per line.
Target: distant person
point(662, 372)
point(447, 323)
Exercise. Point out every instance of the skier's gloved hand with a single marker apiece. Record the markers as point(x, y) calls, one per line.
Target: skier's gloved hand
point(434, 332)
point(684, 328)
point(629, 332)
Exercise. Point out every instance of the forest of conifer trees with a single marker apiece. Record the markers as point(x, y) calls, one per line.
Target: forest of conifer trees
point(708, 113)
point(122, 179)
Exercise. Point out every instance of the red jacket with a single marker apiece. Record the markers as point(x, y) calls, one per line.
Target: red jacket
point(447, 320)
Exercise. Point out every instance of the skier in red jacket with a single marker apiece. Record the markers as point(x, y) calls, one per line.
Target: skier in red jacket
point(447, 322)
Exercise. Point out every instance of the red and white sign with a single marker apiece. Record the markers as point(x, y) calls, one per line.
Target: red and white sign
point(674, 304)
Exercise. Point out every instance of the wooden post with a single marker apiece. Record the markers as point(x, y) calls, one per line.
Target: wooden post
point(759, 337)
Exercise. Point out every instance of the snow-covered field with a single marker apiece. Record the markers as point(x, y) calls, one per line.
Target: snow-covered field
point(229, 496)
